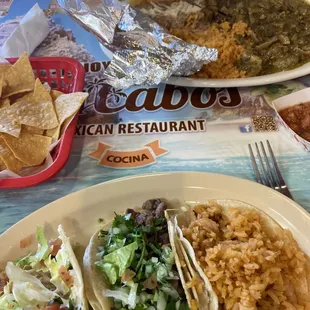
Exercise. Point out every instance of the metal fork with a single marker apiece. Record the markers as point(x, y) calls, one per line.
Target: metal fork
point(268, 175)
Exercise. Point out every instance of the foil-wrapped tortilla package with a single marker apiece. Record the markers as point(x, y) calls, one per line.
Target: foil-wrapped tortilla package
point(143, 52)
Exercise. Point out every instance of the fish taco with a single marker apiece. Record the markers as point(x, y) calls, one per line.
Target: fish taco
point(131, 263)
point(48, 279)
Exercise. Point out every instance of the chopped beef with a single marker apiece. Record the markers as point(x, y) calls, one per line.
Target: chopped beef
point(140, 219)
point(149, 220)
point(149, 204)
point(160, 209)
point(153, 209)
point(164, 238)
point(157, 206)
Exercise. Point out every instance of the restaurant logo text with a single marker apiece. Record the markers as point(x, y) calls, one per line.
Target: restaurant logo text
point(132, 128)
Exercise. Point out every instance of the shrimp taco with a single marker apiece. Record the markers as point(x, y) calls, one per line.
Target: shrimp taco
point(130, 263)
point(249, 260)
point(48, 279)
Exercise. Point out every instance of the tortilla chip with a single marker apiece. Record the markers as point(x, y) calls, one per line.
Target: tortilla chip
point(68, 104)
point(55, 94)
point(30, 149)
point(32, 114)
point(19, 77)
point(4, 67)
point(4, 103)
point(2, 165)
point(53, 133)
point(41, 116)
point(7, 156)
point(32, 130)
point(25, 97)
point(9, 125)
point(40, 94)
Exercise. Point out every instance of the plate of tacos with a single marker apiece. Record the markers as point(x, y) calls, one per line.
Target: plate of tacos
point(162, 241)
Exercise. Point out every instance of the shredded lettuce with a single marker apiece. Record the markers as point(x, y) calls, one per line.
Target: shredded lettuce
point(27, 289)
point(42, 253)
point(170, 291)
point(54, 264)
point(117, 262)
point(23, 261)
point(161, 272)
point(121, 294)
point(161, 302)
point(168, 256)
point(132, 297)
point(110, 270)
point(43, 250)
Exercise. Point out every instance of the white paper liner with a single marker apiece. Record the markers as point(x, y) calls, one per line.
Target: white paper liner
point(289, 101)
point(26, 36)
point(4, 7)
point(3, 61)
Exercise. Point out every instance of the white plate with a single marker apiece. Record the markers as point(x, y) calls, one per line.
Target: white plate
point(242, 82)
point(80, 211)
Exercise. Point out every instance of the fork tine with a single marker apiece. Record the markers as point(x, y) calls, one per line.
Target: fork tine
point(283, 186)
point(274, 180)
point(254, 165)
point(267, 181)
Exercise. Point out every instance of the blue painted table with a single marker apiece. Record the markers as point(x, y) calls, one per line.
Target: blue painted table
point(137, 119)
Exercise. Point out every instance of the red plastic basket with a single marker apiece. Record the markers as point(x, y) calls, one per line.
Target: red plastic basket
point(67, 75)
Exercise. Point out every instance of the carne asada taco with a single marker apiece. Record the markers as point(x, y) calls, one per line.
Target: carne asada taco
point(130, 263)
point(48, 279)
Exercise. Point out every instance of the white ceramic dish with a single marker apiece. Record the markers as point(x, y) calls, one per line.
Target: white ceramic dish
point(289, 101)
point(242, 82)
point(79, 212)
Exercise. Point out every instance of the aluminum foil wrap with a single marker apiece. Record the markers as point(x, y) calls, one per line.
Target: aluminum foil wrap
point(143, 52)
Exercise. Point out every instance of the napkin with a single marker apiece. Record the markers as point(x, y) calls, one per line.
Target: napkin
point(31, 31)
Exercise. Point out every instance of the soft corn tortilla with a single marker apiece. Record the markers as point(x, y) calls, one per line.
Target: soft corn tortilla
point(78, 285)
point(185, 253)
point(94, 281)
point(173, 241)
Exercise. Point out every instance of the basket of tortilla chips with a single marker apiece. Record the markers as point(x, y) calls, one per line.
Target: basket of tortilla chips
point(39, 101)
